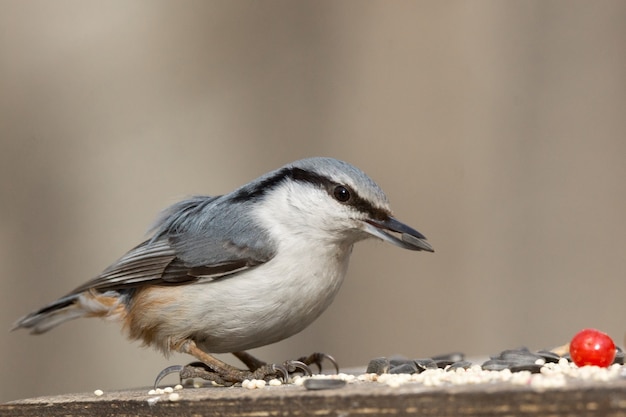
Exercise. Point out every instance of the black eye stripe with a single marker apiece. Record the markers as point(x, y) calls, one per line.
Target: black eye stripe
point(248, 193)
point(355, 200)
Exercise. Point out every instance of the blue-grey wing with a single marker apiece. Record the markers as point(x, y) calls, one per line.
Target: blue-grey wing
point(198, 238)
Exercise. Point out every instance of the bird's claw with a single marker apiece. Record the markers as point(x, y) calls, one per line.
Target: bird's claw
point(169, 370)
point(317, 358)
point(282, 369)
point(296, 366)
point(189, 371)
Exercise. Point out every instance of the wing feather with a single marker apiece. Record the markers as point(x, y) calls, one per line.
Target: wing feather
point(196, 239)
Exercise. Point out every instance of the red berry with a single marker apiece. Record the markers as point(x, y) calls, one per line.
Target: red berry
point(592, 347)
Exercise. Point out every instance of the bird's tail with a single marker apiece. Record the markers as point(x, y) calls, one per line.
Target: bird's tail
point(89, 303)
point(44, 319)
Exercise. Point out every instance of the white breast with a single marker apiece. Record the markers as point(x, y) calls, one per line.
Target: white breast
point(266, 304)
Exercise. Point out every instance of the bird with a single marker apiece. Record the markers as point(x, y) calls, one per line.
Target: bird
point(229, 273)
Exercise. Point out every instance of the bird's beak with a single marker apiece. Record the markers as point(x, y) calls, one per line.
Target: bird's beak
point(409, 238)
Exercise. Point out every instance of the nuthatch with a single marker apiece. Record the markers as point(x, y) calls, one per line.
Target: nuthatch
point(241, 270)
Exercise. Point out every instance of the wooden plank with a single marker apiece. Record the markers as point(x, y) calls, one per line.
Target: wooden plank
point(581, 398)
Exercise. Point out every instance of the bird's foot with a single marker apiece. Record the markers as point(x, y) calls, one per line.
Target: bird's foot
point(221, 373)
point(313, 359)
point(231, 376)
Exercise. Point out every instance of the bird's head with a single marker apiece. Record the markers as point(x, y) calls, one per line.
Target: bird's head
point(329, 200)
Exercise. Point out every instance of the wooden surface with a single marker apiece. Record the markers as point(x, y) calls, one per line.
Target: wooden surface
point(356, 399)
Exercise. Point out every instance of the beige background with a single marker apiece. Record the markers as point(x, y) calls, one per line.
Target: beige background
point(496, 128)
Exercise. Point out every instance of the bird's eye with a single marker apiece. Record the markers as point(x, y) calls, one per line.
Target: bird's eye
point(341, 193)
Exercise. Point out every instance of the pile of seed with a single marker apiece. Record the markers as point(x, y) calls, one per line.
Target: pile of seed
point(515, 360)
point(542, 369)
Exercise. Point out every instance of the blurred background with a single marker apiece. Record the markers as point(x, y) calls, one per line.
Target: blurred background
point(496, 128)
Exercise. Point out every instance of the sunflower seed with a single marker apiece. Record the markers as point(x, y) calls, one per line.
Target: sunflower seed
point(459, 364)
point(316, 384)
point(378, 366)
point(533, 368)
point(427, 363)
point(405, 368)
point(495, 365)
point(517, 356)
